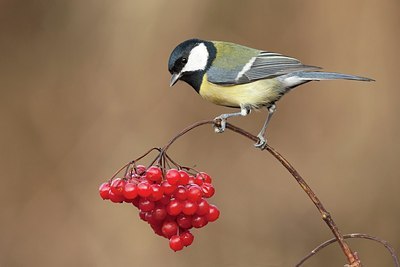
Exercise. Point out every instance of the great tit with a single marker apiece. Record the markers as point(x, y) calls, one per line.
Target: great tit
point(237, 76)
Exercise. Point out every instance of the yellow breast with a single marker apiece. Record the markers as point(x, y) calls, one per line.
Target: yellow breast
point(254, 94)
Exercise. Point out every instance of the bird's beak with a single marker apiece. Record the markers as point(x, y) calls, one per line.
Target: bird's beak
point(175, 77)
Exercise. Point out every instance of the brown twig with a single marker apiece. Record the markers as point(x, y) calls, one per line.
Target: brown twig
point(356, 235)
point(352, 258)
point(184, 131)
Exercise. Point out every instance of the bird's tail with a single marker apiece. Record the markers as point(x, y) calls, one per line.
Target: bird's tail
point(317, 75)
point(296, 78)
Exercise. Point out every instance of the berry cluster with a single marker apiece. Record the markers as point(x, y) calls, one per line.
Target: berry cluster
point(171, 204)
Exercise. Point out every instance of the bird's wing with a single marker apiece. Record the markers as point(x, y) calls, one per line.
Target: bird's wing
point(261, 66)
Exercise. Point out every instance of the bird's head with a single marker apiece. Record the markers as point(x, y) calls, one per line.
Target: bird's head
point(189, 61)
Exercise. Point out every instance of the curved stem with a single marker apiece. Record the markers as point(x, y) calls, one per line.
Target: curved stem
point(172, 161)
point(351, 257)
point(356, 235)
point(148, 152)
point(184, 131)
point(119, 170)
point(133, 161)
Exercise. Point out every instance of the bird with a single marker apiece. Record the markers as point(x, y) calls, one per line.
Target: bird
point(236, 76)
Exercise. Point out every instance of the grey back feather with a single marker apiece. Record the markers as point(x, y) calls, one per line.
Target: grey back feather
point(265, 65)
point(225, 76)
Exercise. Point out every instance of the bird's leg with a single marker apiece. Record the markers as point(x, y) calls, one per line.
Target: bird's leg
point(244, 111)
point(261, 135)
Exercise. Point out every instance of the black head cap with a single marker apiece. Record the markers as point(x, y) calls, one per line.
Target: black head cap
point(180, 55)
point(190, 60)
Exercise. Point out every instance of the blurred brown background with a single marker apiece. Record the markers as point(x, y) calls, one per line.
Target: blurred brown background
point(84, 88)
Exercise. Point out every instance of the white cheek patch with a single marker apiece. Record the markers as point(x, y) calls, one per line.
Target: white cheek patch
point(198, 58)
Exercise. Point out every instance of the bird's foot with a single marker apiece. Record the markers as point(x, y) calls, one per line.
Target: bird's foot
point(219, 124)
point(261, 143)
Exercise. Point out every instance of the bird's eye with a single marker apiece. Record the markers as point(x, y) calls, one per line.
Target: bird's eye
point(184, 60)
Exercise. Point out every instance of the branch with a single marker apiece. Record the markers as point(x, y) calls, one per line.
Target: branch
point(352, 258)
point(357, 235)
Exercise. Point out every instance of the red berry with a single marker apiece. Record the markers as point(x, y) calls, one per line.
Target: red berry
point(173, 176)
point(157, 229)
point(187, 238)
point(184, 179)
point(184, 221)
point(169, 229)
point(135, 202)
point(117, 186)
point(142, 215)
point(135, 180)
point(199, 221)
point(130, 191)
point(154, 174)
point(205, 177)
point(180, 193)
point(189, 207)
point(175, 243)
point(194, 193)
point(103, 189)
point(146, 204)
point(208, 190)
point(191, 179)
point(115, 198)
point(168, 188)
point(140, 169)
point(159, 213)
point(174, 207)
point(164, 200)
point(149, 218)
point(198, 180)
point(213, 213)
point(144, 189)
point(156, 192)
point(203, 207)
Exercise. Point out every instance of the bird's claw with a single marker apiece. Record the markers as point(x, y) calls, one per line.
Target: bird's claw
point(261, 143)
point(219, 124)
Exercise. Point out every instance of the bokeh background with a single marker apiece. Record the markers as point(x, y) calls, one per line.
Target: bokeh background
point(84, 89)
